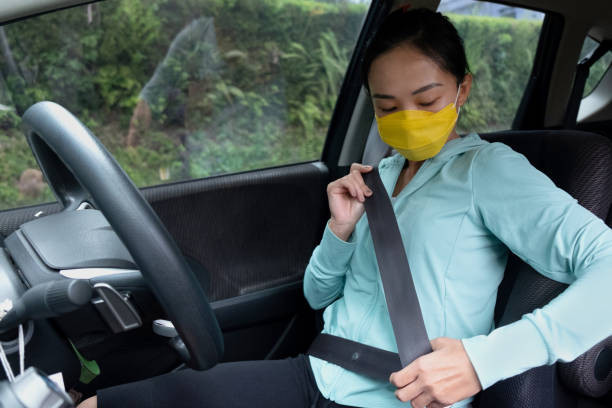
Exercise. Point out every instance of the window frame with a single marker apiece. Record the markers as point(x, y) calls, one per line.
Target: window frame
point(605, 72)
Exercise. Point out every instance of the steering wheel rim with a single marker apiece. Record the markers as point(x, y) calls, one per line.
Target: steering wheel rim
point(75, 163)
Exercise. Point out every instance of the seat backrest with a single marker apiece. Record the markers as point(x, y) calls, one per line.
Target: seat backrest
point(581, 164)
point(578, 162)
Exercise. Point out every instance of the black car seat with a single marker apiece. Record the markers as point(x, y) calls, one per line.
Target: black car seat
point(581, 164)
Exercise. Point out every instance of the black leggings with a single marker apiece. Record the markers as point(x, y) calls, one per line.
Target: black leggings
point(267, 383)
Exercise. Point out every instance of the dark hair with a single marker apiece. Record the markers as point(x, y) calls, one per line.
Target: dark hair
point(430, 32)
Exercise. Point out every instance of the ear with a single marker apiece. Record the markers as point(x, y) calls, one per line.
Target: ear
point(466, 87)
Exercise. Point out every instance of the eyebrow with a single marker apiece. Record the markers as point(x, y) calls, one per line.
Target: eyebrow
point(426, 88)
point(382, 96)
point(418, 91)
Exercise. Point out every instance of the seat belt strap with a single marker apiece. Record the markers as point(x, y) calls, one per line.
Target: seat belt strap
point(400, 293)
point(356, 357)
point(582, 73)
point(398, 286)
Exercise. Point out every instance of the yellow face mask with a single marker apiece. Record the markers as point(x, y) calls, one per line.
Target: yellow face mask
point(416, 134)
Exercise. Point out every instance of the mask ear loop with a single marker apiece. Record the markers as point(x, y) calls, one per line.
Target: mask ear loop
point(456, 99)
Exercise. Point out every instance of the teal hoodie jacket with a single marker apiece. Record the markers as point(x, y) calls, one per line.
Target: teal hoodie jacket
point(458, 217)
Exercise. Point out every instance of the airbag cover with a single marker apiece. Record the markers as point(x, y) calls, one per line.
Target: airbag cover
point(77, 239)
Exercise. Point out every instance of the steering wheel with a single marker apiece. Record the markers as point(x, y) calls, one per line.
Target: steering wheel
point(78, 167)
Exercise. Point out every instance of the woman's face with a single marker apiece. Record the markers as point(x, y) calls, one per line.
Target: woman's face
point(403, 78)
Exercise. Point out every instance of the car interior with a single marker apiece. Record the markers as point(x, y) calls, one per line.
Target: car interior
point(193, 252)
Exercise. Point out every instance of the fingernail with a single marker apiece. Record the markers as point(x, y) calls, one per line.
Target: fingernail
point(368, 166)
point(368, 191)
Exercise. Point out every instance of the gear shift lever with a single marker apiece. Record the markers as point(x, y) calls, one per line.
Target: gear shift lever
point(165, 328)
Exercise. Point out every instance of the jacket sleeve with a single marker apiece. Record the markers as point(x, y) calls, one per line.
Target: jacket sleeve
point(325, 273)
point(548, 229)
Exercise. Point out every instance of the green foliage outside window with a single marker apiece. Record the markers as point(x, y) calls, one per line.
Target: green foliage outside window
point(268, 101)
point(597, 72)
point(500, 53)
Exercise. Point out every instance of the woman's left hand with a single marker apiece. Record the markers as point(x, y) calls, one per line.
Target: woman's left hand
point(437, 379)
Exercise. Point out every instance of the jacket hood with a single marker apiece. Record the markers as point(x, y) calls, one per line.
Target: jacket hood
point(450, 149)
point(392, 166)
point(460, 145)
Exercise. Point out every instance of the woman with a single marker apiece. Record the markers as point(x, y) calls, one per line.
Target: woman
point(459, 201)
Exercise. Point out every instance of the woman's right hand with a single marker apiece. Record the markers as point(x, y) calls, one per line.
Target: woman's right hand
point(346, 196)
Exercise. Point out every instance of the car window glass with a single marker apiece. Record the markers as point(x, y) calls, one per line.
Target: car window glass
point(178, 89)
point(500, 43)
point(598, 69)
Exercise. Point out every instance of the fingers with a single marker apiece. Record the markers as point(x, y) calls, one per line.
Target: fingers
point(362, 168)
point(357, 179)
point(357, 187)
point(347, 185)
point(351, 186)
point(352, 183)
point(422, 401)
point(407, 374)
point(413, 383)
point(409, 392)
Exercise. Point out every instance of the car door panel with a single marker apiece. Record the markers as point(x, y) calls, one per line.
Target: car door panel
point(253, 234)
point(249, 230)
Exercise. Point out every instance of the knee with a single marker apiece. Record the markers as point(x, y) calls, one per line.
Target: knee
point(89, 403)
